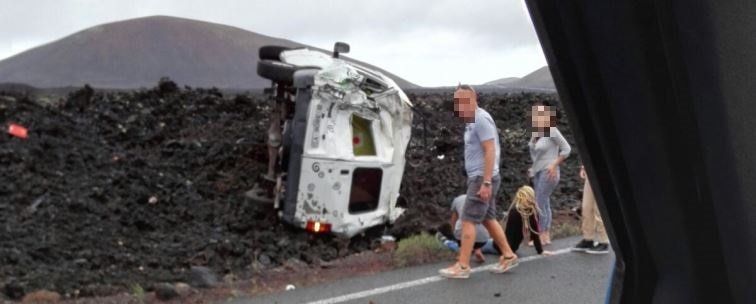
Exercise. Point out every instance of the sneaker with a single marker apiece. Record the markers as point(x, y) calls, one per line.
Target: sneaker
point(583, 246)
point(455, 272)
point(440, 237)
point(506, 264)
point(600, 248)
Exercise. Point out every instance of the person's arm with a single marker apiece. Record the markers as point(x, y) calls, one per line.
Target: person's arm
point(559, 160)
point(564, 151)
point(564, 146)
point(513, 229)
point(486, 131)
point(534, 236)
point(489, 154)
point(454, 217)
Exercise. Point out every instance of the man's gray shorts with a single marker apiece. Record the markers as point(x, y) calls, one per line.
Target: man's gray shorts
point(475, 209)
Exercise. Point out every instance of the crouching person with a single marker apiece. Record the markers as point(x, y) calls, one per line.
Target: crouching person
point(481, 234)
point(522, 220)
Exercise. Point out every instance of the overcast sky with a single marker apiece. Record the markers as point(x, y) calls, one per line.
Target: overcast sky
point(428, 42)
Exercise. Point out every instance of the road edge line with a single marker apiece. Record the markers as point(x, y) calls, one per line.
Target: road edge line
point(419, 282)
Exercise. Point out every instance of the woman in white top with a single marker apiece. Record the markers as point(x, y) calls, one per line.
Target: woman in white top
point(548, 149)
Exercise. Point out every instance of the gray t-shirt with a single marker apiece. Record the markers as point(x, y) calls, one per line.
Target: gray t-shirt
point(545, 150)
point(481, 234)
point(481, 130)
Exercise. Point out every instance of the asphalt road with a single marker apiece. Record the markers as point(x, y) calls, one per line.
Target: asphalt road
point(567, 277)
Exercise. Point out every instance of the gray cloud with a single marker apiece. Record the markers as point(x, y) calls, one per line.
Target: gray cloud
point(423, 33)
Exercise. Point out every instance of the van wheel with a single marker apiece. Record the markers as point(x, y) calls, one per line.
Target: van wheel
point(276, 71)
point(272, 52)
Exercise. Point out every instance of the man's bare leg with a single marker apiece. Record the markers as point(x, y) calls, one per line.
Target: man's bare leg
point(479, 257)
point(467, 242)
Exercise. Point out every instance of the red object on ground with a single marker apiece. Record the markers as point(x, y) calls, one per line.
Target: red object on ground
point(18, 131)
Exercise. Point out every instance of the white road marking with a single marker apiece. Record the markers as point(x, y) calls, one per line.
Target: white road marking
point(418, 282)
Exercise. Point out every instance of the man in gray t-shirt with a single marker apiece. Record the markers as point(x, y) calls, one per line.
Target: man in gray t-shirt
point(477, 132)
point(482, 167)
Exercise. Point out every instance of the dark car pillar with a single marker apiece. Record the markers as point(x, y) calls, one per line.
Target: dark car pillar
point(303, 81)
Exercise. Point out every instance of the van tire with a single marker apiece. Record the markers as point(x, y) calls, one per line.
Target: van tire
point(272, 52)
point(276, 71)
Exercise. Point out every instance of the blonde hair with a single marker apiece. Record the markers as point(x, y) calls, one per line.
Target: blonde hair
point(524, 202)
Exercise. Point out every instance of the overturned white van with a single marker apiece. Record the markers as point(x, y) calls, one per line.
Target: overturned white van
point(342, 157)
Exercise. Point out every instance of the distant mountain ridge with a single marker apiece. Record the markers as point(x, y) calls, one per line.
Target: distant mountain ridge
point(538, 80)
point(503, 81)
point(138, 52)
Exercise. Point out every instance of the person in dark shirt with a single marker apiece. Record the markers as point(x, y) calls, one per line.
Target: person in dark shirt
point(523, 207)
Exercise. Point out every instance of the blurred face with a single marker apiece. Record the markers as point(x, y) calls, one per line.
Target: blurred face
point(465, 105)
point(543, 117)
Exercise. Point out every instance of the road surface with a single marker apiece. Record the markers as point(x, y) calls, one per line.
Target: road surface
point(567, 277)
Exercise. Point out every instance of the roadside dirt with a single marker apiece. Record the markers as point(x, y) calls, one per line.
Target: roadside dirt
point(296, 274)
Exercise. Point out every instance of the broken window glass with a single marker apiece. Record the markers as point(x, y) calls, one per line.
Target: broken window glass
point(366, 190)
point(362, 137)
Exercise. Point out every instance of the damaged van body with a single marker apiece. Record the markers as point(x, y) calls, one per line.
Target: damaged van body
point(342, 157)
